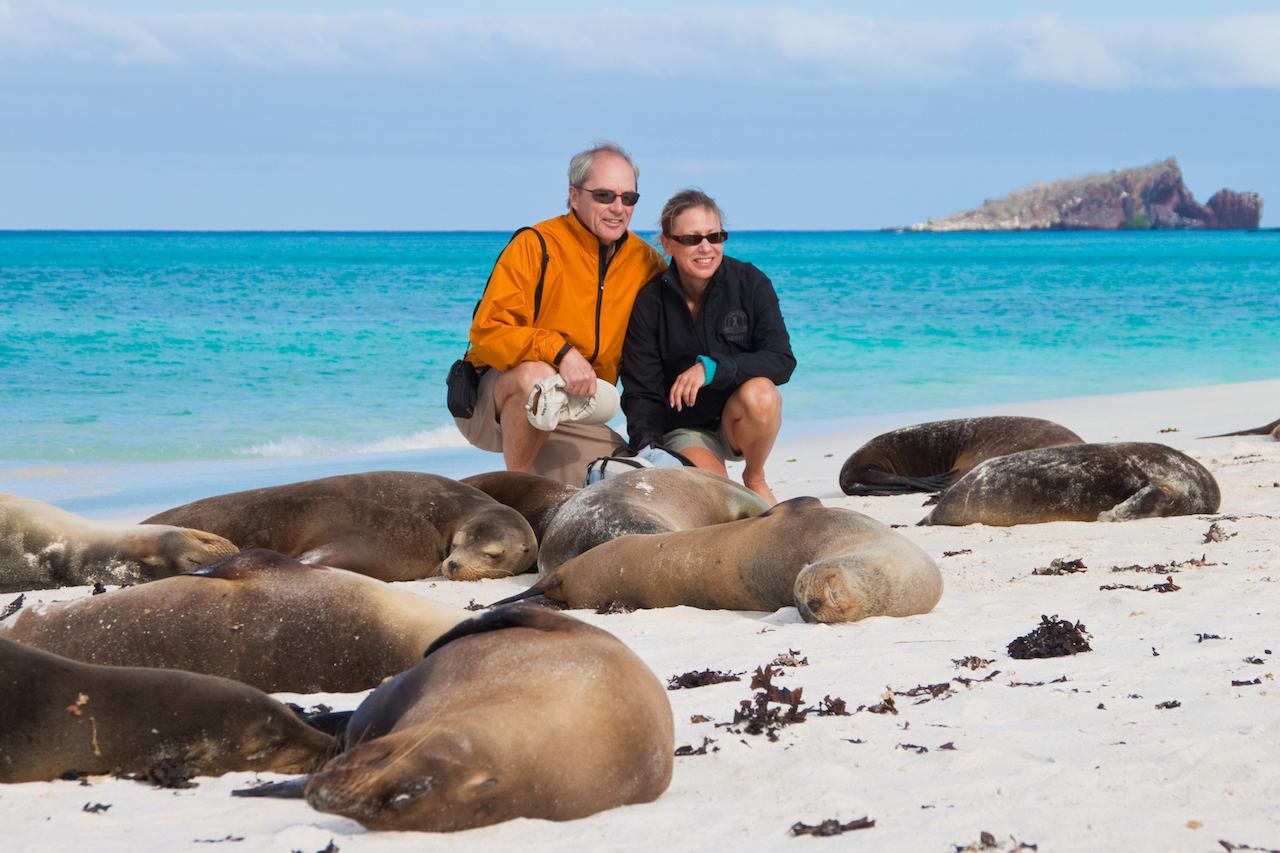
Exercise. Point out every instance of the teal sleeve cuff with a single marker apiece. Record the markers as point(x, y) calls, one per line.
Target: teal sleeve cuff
point(709, 366)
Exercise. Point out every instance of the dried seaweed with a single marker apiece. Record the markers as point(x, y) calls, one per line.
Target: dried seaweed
point(972, 662)
point(1228, 846)
point(330, 848)
point(790, 659)
point(1053, 638)
point(165, 773)
point(1200, 638)
point(702, 750)
point(913, 747)
point(1172, 703)
point(1254, 659)
point(98, 589)
point(828, 707)
point(95, 808)
point(831, 827)
point(987, 841)
point(219, 840)
point(935, 691)
point(691, 680)
point(1061, 566)
point(757, 717)
point(1167, 568)
point(1235, 683)
point(968, 681)
point(1216, 534)
point(886, 706)
point(611, 608)
point(957, 553)
point(471, 605)
point(1167, 586)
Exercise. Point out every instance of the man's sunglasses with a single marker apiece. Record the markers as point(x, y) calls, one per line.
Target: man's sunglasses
point(607, 196)
point(695, 239)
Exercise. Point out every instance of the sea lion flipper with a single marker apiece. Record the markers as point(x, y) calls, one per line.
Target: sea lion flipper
point(789, 506)
point(290, 789)
point(1144, 503)
point(229, 569)
point(510, 616)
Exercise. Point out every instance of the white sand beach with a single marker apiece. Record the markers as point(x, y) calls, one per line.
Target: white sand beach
point(1142, 744)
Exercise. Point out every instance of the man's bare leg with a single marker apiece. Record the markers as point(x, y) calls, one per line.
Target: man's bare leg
point(521, 440)
point(752, 418)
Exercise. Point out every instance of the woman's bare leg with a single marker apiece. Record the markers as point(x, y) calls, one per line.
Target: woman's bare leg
point(751, 419)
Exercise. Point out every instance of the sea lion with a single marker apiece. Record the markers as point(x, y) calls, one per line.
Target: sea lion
point(1082, 482)
point(521, 712)
point(62, 716)
point(42, 547)
point(391, 525)
point(538, 499)
point(258, 617)
point(930, 457)
point(646, 500)
point(1272, 429)
point(834, 565)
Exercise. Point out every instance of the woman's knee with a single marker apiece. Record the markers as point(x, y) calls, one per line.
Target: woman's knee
point(759, 398)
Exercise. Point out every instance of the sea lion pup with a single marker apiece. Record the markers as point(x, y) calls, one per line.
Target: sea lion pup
point(538, 499)
point(647, 500)
point(1272, 429)
point(1082, 482)
point(390, 525)
point(521, 712)
point(42, 547)
point(930, 457)
point(258, 617)
point(62, 716)
point(834, 565)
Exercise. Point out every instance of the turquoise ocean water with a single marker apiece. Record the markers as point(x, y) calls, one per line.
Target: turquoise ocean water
point(148, 347)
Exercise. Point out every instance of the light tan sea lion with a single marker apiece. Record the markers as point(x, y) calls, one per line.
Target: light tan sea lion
point(60, 716)
point(521, 712)
point(390, 525)
point(42, 547)
point(538, 499)
point(647, 500)
point(1084, 482)
point(930, 457)
point(257, 617)
point(834, 565)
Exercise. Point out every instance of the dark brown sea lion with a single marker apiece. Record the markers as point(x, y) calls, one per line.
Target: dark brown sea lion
point(1272, 429)
point(930, 457)
point(521, 712)
point(258, 617)
point(42, 547)
point(62, 716)
point(1083, 482)
point(391, 525)
point(835, 565)
point(647, 500)
point(538, 499)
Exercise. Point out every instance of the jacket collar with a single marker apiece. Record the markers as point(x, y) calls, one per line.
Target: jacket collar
point(589, 242)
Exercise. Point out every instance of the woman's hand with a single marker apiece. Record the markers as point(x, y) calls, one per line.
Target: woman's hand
point(684, 391)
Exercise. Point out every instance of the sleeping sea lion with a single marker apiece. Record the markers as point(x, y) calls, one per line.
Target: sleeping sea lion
point(258, 617)
point(834, 565)
point(42, 547)
point(930, 457)
point(391, 525)
point(521, 712)
point(62, 716)
point(646, 500)
point(1082, 482)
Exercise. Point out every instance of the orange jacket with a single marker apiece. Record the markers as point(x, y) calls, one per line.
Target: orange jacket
point(586, 301)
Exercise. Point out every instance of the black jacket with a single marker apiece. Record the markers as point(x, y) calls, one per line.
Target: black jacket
point(739, 326)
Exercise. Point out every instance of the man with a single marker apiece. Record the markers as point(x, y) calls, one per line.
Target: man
point(573, 326)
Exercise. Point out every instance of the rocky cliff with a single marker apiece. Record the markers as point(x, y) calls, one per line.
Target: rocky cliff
point(1150, 197)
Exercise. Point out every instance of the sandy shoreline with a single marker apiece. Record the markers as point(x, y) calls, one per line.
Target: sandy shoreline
point(1087, 763)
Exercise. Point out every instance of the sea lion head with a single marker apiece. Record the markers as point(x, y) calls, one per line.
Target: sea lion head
point(432, 778)
point(495, 542)
point(162, 551)
point(835, 590)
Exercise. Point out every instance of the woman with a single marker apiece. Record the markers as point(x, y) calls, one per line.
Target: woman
point(706, 350)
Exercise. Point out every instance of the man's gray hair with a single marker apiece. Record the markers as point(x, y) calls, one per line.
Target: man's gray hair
point(580, 165)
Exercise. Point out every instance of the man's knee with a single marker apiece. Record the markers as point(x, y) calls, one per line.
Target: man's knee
point(518, 382)
point(760, 398)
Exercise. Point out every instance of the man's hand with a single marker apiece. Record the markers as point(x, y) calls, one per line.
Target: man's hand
point(684, 391)
point(578, 375)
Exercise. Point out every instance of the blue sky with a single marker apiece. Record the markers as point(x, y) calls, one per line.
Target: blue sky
point(400, 115)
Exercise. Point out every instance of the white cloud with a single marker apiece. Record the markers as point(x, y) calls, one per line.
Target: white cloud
point(780, 44)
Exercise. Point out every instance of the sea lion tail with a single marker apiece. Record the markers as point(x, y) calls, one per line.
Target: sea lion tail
point(290, 789)
point(550, 582)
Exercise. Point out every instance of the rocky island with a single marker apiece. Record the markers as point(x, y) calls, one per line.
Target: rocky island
point(1150, 197)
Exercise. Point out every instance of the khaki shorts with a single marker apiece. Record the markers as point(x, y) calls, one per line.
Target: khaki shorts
point(565, 456)
point(717, 442)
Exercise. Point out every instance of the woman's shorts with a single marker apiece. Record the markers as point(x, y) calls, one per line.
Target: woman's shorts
point(717, 442)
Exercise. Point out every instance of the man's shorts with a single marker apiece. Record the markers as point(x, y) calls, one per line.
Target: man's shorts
point(569, 449)
point(717, 442)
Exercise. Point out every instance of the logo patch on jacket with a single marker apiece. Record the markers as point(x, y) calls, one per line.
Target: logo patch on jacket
point(735, 325)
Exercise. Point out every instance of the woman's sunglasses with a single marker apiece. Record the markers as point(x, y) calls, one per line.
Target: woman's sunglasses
point(607, 196)
point(695, 239)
